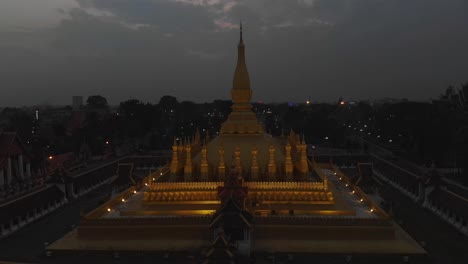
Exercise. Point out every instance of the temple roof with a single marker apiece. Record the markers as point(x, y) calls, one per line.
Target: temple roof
point(11, 145)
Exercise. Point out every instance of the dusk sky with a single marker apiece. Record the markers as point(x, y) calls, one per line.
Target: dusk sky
point(143, 49)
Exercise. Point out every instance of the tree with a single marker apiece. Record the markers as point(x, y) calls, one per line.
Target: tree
point(168, 102)
point(97, 102)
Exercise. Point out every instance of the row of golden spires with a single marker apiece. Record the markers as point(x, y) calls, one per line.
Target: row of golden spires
point(183, 150)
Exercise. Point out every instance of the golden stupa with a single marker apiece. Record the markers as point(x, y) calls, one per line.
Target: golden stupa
point(257, 156)
point(278, 200)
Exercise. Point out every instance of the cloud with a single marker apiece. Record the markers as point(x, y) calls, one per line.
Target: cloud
point(284, 24)
point(169, 15)
point(204, 55)
point(147, 48)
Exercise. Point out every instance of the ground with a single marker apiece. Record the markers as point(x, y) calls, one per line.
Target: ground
point(443, 242)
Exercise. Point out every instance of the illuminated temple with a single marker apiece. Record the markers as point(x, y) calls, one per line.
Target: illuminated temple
point(241, 191)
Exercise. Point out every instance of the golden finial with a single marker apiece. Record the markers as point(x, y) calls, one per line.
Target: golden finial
point(241, 41)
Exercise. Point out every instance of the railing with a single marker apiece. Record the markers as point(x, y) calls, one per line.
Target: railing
point(193, 186)
point(359, 193)
point(148, 221)
point(320, 221)
point(258, 186)
point(284, 185)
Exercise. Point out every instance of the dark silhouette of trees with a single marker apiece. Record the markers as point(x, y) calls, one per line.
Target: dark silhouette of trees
point(168, 102)
point(19, 121)
point(97, 102)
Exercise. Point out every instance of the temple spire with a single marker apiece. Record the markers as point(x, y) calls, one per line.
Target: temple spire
point(241, 76)
point(241, 120)
point(241, 42)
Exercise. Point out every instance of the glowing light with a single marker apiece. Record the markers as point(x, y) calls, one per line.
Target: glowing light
point(371, 210)
point(160, 173)
point(50, 157)
point(108, 209)
point(361, 200)
point(353, 192)
point(107, 142)
point(346, 185)
point(342, 103)
point(146, 184)
point(123, 200)
point(134, 192)
point(154, 179)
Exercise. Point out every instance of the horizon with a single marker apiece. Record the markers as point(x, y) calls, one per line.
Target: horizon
point(208, 102)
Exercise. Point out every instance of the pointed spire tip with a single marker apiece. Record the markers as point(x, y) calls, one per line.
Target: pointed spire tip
point(241, 41)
